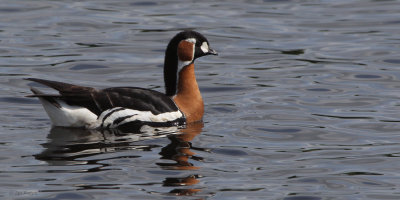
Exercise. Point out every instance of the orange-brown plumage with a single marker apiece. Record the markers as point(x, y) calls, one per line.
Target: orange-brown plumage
point(185, 51)
point(133, 107)
point(188, 98)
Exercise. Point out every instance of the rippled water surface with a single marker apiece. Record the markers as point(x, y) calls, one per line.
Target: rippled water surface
point(301, 103)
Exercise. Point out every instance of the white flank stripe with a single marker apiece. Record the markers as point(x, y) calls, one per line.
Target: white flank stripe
point(144, 116)
point(75, 116)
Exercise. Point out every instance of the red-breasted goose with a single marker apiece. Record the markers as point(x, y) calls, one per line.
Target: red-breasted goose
point(125, 107)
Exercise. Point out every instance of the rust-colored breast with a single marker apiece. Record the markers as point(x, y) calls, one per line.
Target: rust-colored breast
point(188, 98)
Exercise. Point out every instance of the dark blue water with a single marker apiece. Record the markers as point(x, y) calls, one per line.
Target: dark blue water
point(302, 102)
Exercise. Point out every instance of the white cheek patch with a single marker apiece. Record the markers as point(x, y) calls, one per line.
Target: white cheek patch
point(204, 47)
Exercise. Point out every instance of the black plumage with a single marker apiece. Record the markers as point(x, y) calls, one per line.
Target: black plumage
point(171, 58)
point(97, 101)
point(128, 107)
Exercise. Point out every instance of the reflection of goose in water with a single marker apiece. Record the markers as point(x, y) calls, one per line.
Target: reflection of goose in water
point(70, 146)
point(179, 150)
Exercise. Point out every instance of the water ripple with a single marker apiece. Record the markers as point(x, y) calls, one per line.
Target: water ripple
point(301, 103)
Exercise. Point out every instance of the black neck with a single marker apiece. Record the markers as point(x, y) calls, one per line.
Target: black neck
point(171, 66)
point(170, 72)
point(171, 60)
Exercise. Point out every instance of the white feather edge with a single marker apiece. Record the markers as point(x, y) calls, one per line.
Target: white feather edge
point(76, 116)
point(68, 116)
point(144, 116)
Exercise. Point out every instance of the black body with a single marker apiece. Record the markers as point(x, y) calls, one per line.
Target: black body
point(97, 101)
